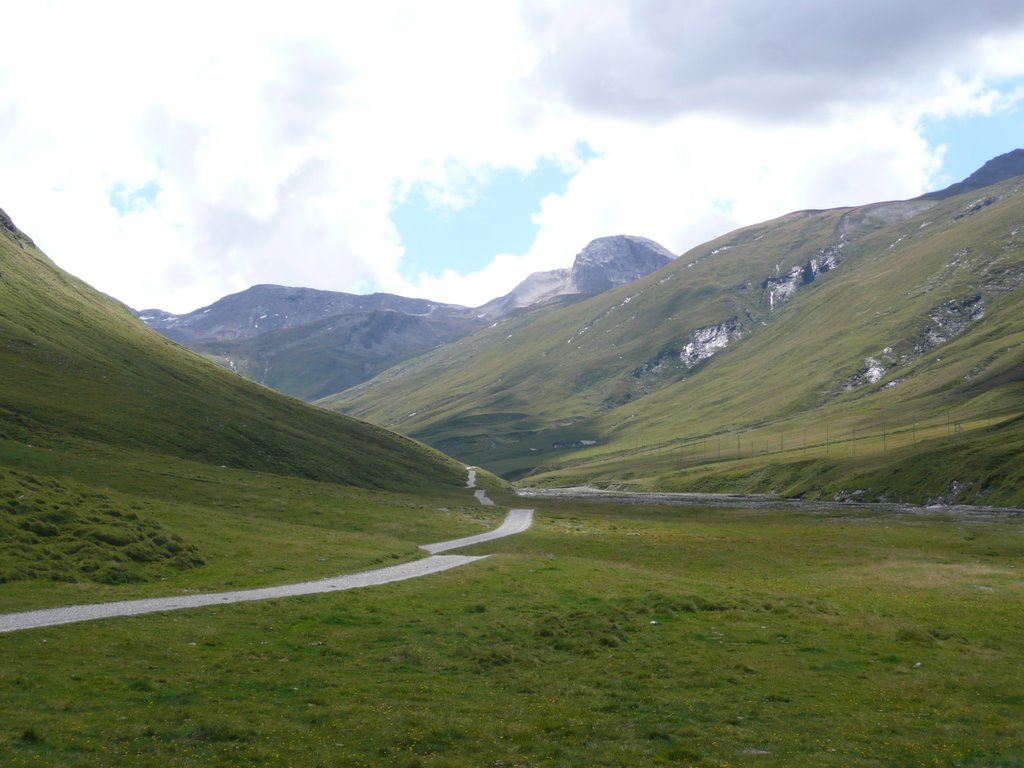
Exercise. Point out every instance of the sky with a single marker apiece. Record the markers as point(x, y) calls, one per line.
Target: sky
point(173, 153)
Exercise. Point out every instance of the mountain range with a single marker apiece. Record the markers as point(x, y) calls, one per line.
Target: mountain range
point(823, 353)
point(870, 352)
point(311, 343)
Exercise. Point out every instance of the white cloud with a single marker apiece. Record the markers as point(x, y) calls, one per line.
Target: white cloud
point(711, 177)
point(278, 142)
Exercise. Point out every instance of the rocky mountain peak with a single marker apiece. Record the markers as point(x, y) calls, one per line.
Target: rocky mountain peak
point(608, 262)
point(603, 264)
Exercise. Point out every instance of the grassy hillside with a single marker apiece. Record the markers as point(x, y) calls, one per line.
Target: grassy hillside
point(127, 460)
point(78, 366)
point(886, 338)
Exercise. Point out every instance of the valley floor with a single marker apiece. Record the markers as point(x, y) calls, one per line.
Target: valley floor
point(611, 634)
point(517, 521)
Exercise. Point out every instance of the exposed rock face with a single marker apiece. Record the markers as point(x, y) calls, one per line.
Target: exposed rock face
point(949, 320)
point(536, 289)
point(612, 261)
point(945, 322)
point(605, 263)
point(705, 342)
point(779, 289)
point(872, 372)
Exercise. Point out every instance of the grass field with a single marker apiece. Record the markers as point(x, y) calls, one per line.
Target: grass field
point(606, 635)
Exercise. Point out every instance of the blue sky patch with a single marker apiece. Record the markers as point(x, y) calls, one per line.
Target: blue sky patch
point(973, 140)
point(125, 199)
point(466, 240)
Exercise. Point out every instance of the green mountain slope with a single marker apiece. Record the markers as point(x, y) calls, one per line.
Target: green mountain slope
point(78, 366)
point(902, 318)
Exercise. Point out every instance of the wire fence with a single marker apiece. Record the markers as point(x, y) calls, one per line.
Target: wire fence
point(839, 439)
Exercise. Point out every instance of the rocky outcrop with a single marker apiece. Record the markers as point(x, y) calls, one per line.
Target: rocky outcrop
point(705, 342)
point(945, 322)
point(949, 320)
point(608, 262)
point(779, 289)
point(873, 371)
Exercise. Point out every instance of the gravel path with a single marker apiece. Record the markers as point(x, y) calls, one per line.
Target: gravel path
point(517, 521)
point(52, 616)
